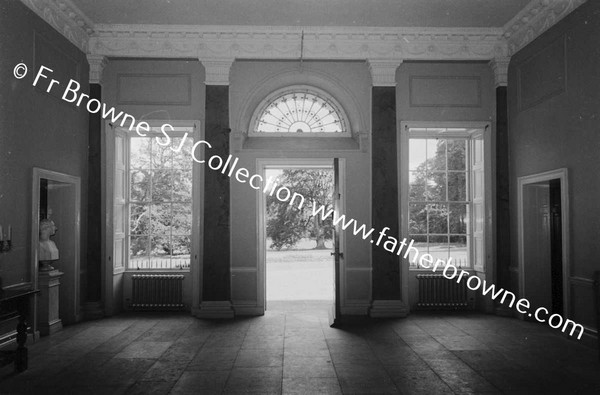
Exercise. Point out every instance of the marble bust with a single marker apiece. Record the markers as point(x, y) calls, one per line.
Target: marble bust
point(47, 251)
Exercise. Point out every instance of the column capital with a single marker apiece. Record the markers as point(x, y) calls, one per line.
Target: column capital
point(217, 71)
point(500, 68)
point(97, 64)
point(383, 72)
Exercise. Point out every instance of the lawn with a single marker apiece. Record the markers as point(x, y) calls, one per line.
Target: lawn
point(300, 273)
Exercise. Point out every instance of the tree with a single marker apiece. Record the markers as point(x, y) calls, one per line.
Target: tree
point(287, 224)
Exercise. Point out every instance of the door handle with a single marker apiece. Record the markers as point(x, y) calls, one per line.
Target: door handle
point(339, 254)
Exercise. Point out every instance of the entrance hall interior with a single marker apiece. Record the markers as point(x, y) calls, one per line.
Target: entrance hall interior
point(469, 128)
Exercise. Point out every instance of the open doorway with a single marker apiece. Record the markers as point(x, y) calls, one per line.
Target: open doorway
point(299, 246)
point(57, 197)
point(543, 247)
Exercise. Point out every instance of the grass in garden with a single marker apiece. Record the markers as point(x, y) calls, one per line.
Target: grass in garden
point(303, 252)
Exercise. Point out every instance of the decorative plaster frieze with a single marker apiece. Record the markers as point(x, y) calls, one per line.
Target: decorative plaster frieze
point(264, 42)
point(276, 42)
point(217, 71)
point(533, 20)
point(500, 68)
point(97, 64)
point(66, 18)
point(383, 72)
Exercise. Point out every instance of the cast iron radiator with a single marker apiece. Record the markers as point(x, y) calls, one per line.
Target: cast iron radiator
point(158, 292)
point(438, 293)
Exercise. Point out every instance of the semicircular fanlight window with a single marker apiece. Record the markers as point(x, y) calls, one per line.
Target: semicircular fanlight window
point(300, 112)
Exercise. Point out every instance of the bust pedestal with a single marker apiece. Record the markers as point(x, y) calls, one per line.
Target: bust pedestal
point(48, 320)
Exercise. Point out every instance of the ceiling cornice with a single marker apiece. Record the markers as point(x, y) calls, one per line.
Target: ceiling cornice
point(66, 18)
point(276, 42)
point(533, 20)
point(268, 42)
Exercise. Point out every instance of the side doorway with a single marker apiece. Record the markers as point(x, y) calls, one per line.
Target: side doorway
point(543, 240)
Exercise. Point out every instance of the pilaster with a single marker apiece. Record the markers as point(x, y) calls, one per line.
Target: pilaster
point(500, 68)
point(217, 71)
point(383, 72)
point(97, 64)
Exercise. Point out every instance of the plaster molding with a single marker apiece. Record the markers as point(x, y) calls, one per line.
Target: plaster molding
point(66, 18)
point(500, 68)
point(383, 72)
point(388, 309)
point(268, 42)
point(533, 20)
point(217, 71)
point(97, 64)
point(277, 42)
point(214, 309)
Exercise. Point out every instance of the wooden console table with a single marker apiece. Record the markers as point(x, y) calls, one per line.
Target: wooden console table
point(15, 303)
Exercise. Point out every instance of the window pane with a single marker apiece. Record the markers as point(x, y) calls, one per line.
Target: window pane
point(457, 187)
point(418, 186)
point(138, 252)
point(182, 246)
point(417, 218)
point(181, 219)
point(436, 186)
point(160, 252)
point(458, 218)
point(458, 251)
point(139, 219)
point(438, 218)
point(182, 185)
point(438, 247)
point(420, 243)
point(140, 185)
point(162, 185)
point(161, 219)
point(139, 149)
point(436, 154)
point(161, 155)
point(456, 154)
point(417, 153)
point(183, 158)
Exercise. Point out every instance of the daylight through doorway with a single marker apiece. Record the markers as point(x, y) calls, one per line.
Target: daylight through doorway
point(299, 265)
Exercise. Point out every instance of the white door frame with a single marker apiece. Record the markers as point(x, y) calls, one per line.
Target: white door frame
point(562, 175)
point(261, 165)
point(39, 174)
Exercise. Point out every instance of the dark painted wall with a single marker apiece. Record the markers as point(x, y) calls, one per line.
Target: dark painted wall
point(502, 190)
point(216, 199)
point(94, 275)
point(37, 129)
point(554, 122)
point(386, 270)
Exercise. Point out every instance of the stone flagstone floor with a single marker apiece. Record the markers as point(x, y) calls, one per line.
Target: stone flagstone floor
point(294, 351)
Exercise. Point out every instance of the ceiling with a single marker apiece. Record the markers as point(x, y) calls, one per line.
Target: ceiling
point(371, 13)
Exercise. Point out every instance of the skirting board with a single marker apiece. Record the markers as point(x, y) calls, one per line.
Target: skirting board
point(388, 309)
point(355, 309)
point(50, 328)
point(248, 310)
point(92, 311)
point(214, 309)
